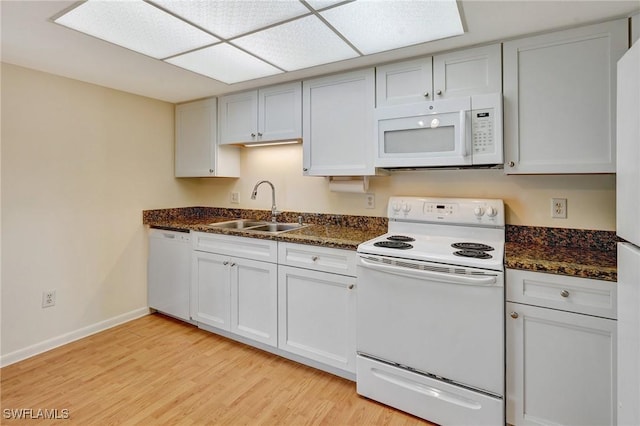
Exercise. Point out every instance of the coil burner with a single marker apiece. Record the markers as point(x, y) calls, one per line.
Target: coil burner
point(476, 254)
point(393, 245)
point(472, 246)
point(402, 238)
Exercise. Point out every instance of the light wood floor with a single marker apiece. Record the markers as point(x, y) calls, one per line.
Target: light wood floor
point(157, 371)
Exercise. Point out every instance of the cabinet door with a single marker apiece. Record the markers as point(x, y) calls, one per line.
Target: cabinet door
point(559, 100)
point(404, 82)
point(238, 117)
point(316, 316)
point(195, 138)
point(254, 300)
point(468, 72)
point(280, 112)
point(210, 289)
point(560, 367)
point(338, 127)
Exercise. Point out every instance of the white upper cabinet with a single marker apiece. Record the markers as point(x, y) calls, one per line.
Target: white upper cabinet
point(338, 126)
point(559, 100)
point(196, 151)
point(268, 114)
point(462, 73)
point(404, 82)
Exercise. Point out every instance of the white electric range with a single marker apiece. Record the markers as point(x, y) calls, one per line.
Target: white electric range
point(430, 314)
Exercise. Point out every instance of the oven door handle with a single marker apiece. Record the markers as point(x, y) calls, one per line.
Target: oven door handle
point(487, 280)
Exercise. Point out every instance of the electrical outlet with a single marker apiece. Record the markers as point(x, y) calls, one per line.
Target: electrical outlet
point(559, 208)
point(235, 197)
point(370, 201)
point(48, 298)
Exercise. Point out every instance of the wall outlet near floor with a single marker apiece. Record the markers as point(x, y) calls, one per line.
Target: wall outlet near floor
point(370, 201)
point(559, 208)
point(48, 298)
point(234, 197)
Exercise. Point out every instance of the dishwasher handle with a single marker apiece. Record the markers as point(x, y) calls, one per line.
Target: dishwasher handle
point(452, 278)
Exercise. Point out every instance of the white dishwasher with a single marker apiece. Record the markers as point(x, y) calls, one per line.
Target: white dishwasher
point(168, 273)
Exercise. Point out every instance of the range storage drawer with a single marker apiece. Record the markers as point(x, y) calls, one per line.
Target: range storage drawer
point(572, 294)
point(336, 261)
point(424, 396)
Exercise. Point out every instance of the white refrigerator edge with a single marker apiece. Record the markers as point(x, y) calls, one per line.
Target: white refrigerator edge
point(628, 228)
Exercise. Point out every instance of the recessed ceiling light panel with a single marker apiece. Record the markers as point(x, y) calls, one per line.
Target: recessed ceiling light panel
point(229, 18)
point(374, 26)
point(225, 63)
point(136, 25)
point(298, 44)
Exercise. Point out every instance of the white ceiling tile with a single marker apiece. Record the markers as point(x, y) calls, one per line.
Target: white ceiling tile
point(229, 18)
point(136, 25)
point(320, 4)
point(379, 25)
point(224, 63)
point(298, 44)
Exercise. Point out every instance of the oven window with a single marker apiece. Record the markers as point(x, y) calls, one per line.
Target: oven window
point(424, 140)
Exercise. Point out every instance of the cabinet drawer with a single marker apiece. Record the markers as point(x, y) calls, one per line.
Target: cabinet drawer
point(580, 295)
point(248, 248)
point(337, 261)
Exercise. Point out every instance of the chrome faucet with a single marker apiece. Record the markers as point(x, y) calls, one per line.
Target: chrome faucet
point(274, 210)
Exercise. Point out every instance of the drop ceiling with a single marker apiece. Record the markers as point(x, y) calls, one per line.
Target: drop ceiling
point(31, 39)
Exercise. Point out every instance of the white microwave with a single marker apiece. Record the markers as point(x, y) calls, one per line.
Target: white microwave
point(445, 133)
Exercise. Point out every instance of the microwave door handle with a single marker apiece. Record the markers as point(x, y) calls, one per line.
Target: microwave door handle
point(463, 133)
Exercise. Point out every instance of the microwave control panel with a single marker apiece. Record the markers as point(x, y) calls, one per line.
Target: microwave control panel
point(482, 129)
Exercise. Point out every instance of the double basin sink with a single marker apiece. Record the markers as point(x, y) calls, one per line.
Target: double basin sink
point(258, 226)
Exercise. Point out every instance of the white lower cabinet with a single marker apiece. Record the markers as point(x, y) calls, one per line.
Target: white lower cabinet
point(317, 316)
point(560, 361)
point(316, 309)
point(236, 294)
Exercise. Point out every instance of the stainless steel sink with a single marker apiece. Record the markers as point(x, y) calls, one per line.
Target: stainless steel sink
point(237, 224)
point(262, 226)
point(276, 227)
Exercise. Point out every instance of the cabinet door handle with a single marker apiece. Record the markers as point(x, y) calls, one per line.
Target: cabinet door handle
point(211, 170)
point(233, 264)
point(305, 170)
point(511, 164)
point(439, 93)
point(564, 293)
point(259, 134)
point(225, 263)
point(426, 94)
point(253, 135)
point(314, 258)
point(514, 315)
point(351, 286)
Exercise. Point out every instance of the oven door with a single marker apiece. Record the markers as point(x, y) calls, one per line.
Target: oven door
point(423, 135)
point(445, 321)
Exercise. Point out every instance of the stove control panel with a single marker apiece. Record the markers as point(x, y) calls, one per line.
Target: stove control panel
point(464, 211)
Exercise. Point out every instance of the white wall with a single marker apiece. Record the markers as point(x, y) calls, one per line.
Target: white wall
point(79, 164)
point(591, 198)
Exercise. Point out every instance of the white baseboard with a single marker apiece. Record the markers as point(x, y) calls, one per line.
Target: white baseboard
point(72, 336)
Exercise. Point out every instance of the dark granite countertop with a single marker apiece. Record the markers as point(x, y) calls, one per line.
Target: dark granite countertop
point(573, 252)
point(336, 231)
point(576, 262)
point(578, 253)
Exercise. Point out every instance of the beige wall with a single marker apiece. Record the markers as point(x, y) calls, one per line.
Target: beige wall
point(591, 198)
point(79, 164)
